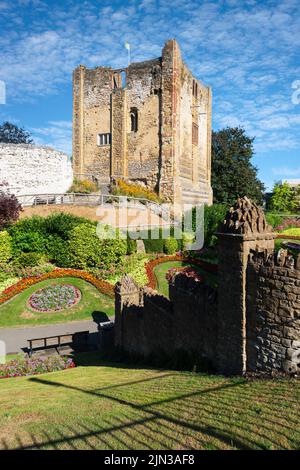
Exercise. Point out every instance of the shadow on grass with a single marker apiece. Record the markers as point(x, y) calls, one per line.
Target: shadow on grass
point(203, 418)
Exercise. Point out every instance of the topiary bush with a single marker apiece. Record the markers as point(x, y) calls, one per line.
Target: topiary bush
point(170, 246)
point(5, 247)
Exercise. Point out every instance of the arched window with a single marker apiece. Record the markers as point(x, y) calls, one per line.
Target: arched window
point(134, 119)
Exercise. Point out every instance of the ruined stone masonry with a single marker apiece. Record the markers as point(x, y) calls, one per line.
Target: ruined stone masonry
point(149, 123)
point(29, 169)
point(251, 322)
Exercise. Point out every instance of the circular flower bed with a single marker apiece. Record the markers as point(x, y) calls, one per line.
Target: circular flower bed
point(54, 298)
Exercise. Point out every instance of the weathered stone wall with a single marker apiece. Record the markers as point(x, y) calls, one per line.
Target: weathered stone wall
point(29, 169)
point(252, 321)
point(148, 324)
point(159, 153)
point(273, 319)
point(91, 116)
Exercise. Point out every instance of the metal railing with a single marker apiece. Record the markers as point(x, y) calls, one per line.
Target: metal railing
point(94, 199)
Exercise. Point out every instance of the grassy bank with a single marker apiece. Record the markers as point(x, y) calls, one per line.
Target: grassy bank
point(112, 406)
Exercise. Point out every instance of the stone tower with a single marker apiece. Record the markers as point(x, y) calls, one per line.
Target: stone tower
point(244, 229)
point(149, 123)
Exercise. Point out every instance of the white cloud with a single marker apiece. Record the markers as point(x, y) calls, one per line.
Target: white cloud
point(247, 51)
point(58, 134)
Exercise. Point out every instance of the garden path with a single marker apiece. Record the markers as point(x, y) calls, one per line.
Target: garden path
point(16, 338)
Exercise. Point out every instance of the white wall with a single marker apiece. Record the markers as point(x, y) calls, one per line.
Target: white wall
point(34, 170)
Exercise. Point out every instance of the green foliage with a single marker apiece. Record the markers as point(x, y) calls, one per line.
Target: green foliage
point(28, 242)
point(153, 245)
point(170, 246)
point(5, 247)
point(213, 216)
point(87, 250)
point(4, 284)
point(60, 224)
point(273, 219)
point(131, 246)
point(25, 260)
point(233, 174)
point(83, 187)
point(12, 134)
point(283, 199)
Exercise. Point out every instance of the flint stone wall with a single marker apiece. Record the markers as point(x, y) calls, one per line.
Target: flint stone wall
point(29, 169)
point(273, 314)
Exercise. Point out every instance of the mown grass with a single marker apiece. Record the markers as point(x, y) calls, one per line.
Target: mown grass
point(161, 270)
point(292, 231)
point(113, 407)
point(16, 311)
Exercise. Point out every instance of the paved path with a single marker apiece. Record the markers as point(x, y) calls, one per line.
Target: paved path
point(16, 338)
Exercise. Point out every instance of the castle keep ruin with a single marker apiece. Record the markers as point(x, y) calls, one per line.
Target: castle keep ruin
point(149, 123)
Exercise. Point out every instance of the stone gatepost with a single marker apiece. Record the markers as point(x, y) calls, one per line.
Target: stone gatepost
point(244, 229)
point(127, 292)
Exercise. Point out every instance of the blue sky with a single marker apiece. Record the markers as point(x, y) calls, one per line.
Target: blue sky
point(248, 51)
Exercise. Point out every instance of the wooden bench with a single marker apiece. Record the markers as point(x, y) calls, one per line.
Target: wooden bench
point(80, 337)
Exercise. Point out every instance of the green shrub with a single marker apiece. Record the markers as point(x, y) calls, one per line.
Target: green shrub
point(131, 246)
point(28, 242)
point(213, 216)
point(154, 246)
point(170, 246)
point(61, 224)
point(88, 250)
point(273, 219)
point(26, 260)
point(5, 247)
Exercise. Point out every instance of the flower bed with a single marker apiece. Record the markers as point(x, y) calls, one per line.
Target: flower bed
point(54, 298)
point(30, 366)
point(186, 270)
point(103, 286)
point(212, 268)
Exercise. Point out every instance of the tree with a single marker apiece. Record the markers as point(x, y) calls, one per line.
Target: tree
point(233, 174)
point(10, 207)
point(283, 199)
point(12, 134)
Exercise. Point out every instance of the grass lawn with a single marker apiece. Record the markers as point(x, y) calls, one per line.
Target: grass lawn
point(161, 269)
point(293, 231)
point(16, 312)
point(114, 407)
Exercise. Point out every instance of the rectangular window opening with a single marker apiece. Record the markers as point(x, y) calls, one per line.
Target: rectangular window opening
point(103, 139)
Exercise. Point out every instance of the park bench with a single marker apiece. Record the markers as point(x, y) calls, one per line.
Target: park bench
point(77, 340)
